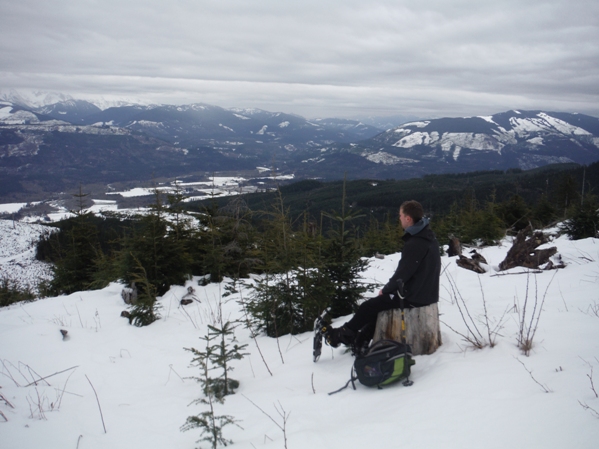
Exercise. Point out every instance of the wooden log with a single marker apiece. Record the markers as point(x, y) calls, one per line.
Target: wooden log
point(423, 332)
point(472, 263)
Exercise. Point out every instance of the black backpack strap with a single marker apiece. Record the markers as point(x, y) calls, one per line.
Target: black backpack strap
point(352, 379)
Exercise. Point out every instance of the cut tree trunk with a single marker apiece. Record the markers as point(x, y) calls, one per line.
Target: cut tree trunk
point(423, 332)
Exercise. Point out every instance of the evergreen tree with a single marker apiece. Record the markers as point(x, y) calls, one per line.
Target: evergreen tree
point(567, 195)
point(226, 350)
point(211, 244)
point(584, 221)
point(216, 356)
point(487, 226)
point(544, 213)
point(449, 225)
point(226, 244)
point(10, 293)
point(383, 238)
point(470, 223)
point(75, 250)
point(158, 248)
point(293, 290)
point(145, 311)
point(343, 262)
point(514, 213)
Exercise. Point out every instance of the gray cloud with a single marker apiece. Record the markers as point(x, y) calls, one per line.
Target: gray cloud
point(335, 58)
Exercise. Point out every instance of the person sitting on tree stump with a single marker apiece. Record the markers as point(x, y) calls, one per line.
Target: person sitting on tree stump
point(419, 269)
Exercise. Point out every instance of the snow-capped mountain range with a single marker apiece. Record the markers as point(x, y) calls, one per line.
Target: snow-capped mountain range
point(72, 141)
point(492, 133)
point(35, 99)
point(512, 139)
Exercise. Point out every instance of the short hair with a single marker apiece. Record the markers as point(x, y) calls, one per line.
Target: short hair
point(412, 209)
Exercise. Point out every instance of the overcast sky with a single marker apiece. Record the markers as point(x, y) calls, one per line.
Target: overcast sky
point(343, 58)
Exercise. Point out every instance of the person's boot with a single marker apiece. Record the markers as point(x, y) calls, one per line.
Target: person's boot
point(341, 335)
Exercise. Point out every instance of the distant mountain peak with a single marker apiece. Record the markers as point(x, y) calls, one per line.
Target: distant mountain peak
point(33, 98)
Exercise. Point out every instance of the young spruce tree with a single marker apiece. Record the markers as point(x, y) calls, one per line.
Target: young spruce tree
point(221, 348)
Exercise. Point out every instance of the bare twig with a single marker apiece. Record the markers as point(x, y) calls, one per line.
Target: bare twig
point(491, 333)
point(4, 416)
point(590, 376)
point(520, 272)
point(98, 401)
point(284, 415)
point(23, 309)
point(312, 382)
point(190, 319)
point(78, 440)
point(474, 336)
point(527, 331)
point(46, 377)
point(563, 300)
point(592, 310)
point(39, 402)
point(545, 388)
point(590, 409)
point(63, 389)
point(79, 315)
point(6, 401)
point(9, 374)
point(466, 338)
point(169, 374)
point(32, 371)
point(253, 334)
point(542, 304)
point(278, 343)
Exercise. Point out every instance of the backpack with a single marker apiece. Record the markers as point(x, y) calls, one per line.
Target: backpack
point(384, 363)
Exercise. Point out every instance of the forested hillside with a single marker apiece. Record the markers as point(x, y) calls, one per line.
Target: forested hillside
point(560, 185)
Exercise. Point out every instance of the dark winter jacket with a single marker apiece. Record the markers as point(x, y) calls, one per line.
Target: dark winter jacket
point(419, 267)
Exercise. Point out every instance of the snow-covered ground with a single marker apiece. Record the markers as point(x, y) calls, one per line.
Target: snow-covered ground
point(215, 186)
point(17, 254)
point(11, 208)
point(461, 398)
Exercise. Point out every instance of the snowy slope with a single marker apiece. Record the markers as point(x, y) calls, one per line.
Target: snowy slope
point(17, 254)
point(461, 398)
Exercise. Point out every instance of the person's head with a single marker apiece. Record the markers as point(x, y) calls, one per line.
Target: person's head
point(410, 213)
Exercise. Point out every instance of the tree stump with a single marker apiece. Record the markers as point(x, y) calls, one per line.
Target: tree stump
point(129, 294)
point(423, 332)
point(524, 252)
point(455, 246)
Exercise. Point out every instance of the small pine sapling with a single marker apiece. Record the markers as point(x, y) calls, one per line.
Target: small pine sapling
point(225, 351)
point(217, 356)
point(145, 312)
